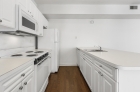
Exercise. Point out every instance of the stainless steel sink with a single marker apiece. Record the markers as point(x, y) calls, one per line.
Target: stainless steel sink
point(93, 50)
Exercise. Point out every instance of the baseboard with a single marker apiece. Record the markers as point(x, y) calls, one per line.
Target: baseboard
point(68, 64)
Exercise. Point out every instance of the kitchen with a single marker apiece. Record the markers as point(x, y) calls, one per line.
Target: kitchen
point(69, 46)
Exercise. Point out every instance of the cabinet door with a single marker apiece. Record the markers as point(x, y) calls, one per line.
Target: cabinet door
point(28, 83)
point(40, 24)
point(81, 64)
point(88, 73)
point(78, 57)
point(108, 84)
point(18, 88)
point(45, 22)
point(23, 5)
point(97, 80)
point(7, 13)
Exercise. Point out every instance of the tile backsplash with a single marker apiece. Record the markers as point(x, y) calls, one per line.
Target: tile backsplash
point(11, 43)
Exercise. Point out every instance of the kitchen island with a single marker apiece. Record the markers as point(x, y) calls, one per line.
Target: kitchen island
point(110, 70)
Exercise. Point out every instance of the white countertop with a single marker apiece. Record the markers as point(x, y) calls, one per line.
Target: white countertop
point(118, 59)
point(9, 64)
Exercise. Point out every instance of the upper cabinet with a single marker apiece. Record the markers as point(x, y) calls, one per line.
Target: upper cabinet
point(11, 17)
point(23, 4)
point(45, 22)
point(7, 13)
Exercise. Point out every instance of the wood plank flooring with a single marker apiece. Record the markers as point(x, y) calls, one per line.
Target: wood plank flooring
point(68, 79)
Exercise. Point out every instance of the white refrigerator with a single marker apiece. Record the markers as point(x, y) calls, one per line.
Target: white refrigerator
point(50, 40)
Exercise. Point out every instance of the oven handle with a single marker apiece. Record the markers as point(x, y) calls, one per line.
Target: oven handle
point(43, 60)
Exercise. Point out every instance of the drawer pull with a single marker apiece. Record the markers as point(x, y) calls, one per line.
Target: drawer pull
point(25, 83)
point(21, 88)
point(23, 75)
point(101, 74)
point(100, 65)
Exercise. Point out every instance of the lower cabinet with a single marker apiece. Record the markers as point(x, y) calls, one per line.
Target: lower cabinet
point(16, 89)
point(21, 80)
point(88, 72)
point(102, 82)
point(96, 78)
point(28, 83)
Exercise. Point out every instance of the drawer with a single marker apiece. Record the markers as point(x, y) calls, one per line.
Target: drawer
point(107, 69)
point(86, 56)
point(16, 78)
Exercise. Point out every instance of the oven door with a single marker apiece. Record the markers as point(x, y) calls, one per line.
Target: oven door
point(26, 23)
point(43, 72)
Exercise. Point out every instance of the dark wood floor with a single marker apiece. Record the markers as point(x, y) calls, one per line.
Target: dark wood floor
point(68, 79)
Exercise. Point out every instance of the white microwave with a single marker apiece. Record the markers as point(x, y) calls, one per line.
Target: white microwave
point(25, 24)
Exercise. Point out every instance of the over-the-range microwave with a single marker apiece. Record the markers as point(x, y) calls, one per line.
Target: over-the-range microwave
point(25, 24)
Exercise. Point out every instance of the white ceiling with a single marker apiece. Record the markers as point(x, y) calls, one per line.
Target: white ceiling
point(88, 1)
point(92, 16)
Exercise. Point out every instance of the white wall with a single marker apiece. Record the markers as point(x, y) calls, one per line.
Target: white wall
point(12, 44)
point(109, 33)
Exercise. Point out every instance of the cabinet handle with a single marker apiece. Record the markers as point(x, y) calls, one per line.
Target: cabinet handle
point(23, 75)
point(100, 65)
point(25, 83)
point(21, 88)
point(101, 74)
point(0, 20)
point(83, 58)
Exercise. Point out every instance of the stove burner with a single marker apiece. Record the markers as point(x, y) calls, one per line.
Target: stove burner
point(31, 55)
point(16, 55)
point(39, 51)
point(29, 51)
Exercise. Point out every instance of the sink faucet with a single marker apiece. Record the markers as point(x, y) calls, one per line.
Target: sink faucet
point(100, 47)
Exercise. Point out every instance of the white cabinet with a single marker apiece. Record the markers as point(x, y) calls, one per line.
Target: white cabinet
point(96, 82)
point(78, 57)
point(108, 84)
point(40, 24)
point(17, 88)
point(81, 64)
point(45, 22)
point(19, 80)
point(28, 83)
point(7, 13)
point(97, 74)
point(88, 72)
point(23, 4)
point(32, 9)
point(102, 82)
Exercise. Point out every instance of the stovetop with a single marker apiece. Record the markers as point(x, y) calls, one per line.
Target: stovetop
point(32, 53)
